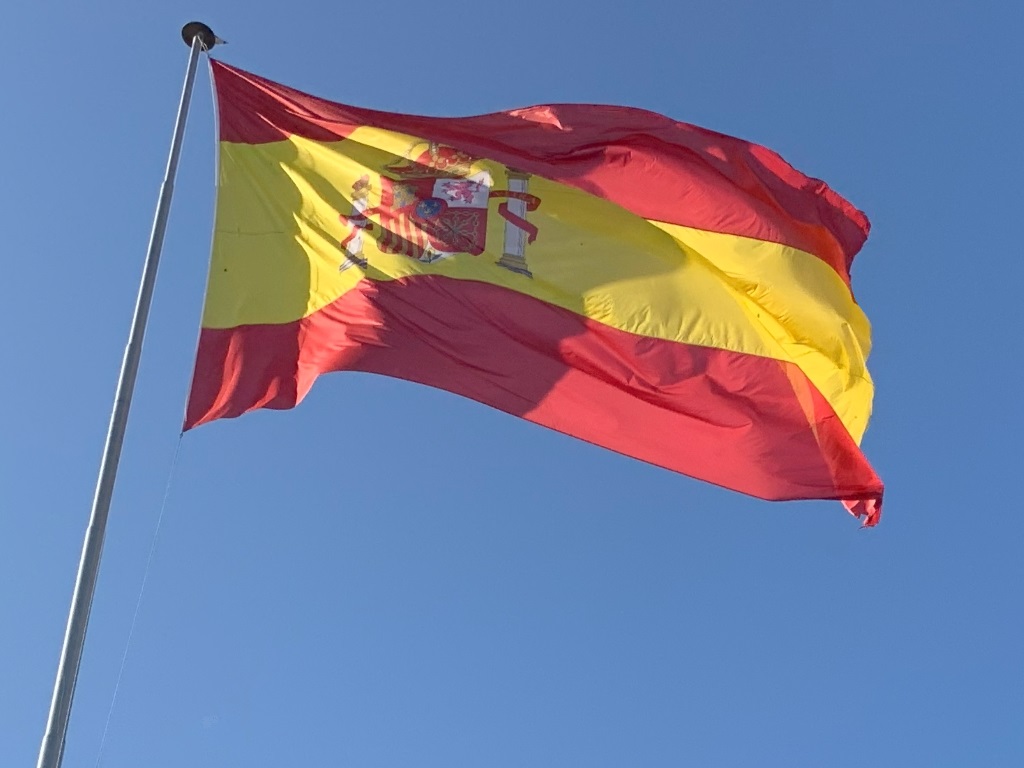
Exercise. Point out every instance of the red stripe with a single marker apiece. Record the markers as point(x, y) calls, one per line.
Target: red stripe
point(655, 167)
point(724, 417)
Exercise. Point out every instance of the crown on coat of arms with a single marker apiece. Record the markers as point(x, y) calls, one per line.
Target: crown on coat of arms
point(435, 161)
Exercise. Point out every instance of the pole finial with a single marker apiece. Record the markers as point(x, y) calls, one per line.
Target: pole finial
point(195, 29)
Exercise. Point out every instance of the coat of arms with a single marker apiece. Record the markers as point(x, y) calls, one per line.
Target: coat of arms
point(435, 206)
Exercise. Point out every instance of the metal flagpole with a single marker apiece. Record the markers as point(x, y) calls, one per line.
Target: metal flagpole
point(51, 752)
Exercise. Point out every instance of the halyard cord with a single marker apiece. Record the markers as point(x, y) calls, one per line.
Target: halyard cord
point(174, 461)
point(138, 603)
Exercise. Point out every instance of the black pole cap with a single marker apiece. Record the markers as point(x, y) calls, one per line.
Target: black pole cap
point(195, 29)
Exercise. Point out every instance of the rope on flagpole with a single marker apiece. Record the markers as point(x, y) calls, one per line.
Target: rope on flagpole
point(138, 602)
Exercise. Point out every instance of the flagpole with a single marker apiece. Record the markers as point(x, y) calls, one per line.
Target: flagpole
point(198, 37)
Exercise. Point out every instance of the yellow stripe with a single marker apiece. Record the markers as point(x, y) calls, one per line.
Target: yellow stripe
point(803, 307)
point(277, 254)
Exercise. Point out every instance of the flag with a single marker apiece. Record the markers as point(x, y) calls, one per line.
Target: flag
point(662, 290)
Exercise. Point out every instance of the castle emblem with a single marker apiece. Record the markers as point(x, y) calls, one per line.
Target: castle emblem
point(435, 206)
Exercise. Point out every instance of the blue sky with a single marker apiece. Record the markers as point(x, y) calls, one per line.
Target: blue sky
point(364, 581)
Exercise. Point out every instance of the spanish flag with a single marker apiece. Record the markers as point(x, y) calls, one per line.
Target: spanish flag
point(664, 291)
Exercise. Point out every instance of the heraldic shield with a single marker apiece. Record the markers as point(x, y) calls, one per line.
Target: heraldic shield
point(435, 206)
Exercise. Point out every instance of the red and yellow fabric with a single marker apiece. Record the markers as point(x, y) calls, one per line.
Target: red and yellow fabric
point(667, 292)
